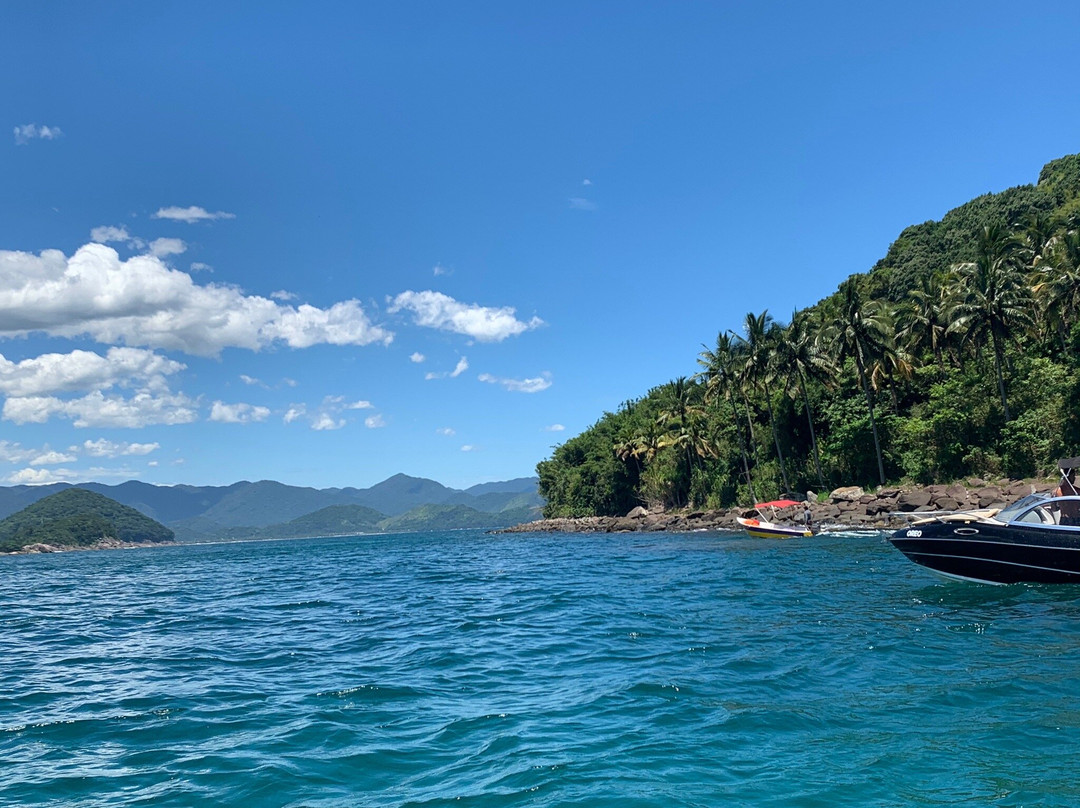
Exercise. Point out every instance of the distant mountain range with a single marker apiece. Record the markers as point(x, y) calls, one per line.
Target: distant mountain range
point(272, 509)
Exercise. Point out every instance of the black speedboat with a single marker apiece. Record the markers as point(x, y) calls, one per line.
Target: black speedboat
point(1034, 540)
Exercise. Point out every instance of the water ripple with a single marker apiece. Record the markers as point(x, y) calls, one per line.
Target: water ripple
point(472, 670)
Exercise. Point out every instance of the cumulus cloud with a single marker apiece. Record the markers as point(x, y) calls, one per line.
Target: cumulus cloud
point(580, 203)
point(107, 233)
point(359, 405)
point(84, 370)
point(240, 413)
point(483, 323)
point(107, 448)
point(468, 447)
point(251, 380)
point(191, 215)
point(162, 247)
point(45, 456)
point(325, 421)
point(374, 421)
point(554, 428)
point(282, 295)
point(199, 266)
point(143, 302)
point(543, 382)
point(31, 131)
point(33, 476)
point(447, 431)
point(438, 270)
point(144, 408)
point(417, 358)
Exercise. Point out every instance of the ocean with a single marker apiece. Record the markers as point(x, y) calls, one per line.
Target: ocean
point(475, 670)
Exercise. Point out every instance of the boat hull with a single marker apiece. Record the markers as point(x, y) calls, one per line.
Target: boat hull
point(768, 530)
point(992, 552)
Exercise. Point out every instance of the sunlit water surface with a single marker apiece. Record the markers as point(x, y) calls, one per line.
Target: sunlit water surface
point(544, 670)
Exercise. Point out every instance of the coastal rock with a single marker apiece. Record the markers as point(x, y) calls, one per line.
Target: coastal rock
point(913, 501)
point(987, 496)
point(947, 504)
point(638, 513)
point(851, 493)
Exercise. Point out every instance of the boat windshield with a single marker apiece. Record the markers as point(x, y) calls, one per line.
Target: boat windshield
point(1010, 512)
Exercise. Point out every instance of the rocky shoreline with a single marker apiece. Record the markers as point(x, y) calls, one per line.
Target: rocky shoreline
point(851, 508)
point(101, 544)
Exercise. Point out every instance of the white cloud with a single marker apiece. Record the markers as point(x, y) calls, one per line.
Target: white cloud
point(447, 431)
point(459, 368)
point(290, 382)
point(417, 358)
point(31, 131)
point(51, 458)
point(237, 413)
point(486, 324)
point(84, 370)
point(32, 476)
point(41, 477)
point(250, 380)
point(284, 296)
point(143, 302)
point(144, 408)
point(294, 412)
point(107, 233)
point(374, 421)
point(162, 247)
point(438, 270)
point(554, 428)
point(107, 448)
point(468, 447)
point(543, 382)
point(579, 203)
point(586, 182)
point(359, 405)
point(199, 266)
point(45, 456)
point(326, 421)
point(191, 215)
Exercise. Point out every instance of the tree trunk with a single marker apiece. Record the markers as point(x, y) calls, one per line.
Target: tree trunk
point(998, 361)
point(813, 437)
point(873, 423)
point(776, 439)
point(742, 450)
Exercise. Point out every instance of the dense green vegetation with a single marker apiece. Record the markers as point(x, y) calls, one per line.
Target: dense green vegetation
point(76, 517)
point(957, 354)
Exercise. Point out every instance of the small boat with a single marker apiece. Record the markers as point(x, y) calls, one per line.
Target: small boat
point(1034, 540)
point(769, 530)
point(762, 529)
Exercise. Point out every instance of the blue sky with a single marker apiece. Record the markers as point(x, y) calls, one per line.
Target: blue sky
point(325, 243)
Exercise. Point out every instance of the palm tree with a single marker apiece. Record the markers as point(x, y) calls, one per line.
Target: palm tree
point(799, 351)
point(994, 301)
point(682, 416)
point(760, 369)
point(1059, 283)
point(718, 371)
point(1039, 233)
point(862, 332)
point(924, 321)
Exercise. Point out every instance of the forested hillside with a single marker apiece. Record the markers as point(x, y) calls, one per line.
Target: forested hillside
point(956, 355)
point(76, 517)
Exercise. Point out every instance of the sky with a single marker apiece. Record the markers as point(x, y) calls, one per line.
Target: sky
point(325, 243)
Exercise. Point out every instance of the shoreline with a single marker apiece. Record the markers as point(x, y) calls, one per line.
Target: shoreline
point(850, 508)
point(40, 548)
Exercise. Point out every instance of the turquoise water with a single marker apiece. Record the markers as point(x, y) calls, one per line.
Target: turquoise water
point(542, 670)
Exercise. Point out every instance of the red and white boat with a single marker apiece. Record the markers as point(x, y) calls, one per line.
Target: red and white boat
point(762, 529)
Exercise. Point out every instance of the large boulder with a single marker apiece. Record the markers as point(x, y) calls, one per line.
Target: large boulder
point(638, 513)
point(850, 493)
point(913, 501)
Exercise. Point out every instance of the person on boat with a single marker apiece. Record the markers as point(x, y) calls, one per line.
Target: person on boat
point(1070, 508)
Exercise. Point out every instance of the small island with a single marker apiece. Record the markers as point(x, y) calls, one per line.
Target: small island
point(77, 519)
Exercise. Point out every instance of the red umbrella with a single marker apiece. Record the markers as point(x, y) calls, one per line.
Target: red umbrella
point(777, 503)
